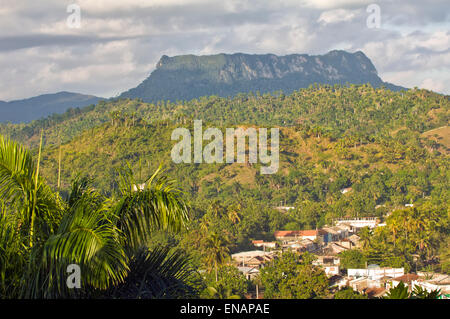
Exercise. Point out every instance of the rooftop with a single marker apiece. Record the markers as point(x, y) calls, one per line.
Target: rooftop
point(406, 278)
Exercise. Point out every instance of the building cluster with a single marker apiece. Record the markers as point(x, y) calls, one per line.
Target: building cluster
point(375, 281)
point(326, 243)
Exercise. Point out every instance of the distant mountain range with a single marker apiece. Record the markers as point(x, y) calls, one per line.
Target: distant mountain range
point(43, 105)
point(188, 76)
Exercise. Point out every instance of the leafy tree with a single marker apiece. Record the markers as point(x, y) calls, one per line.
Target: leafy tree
point(219, 291)
point(401, 291)
point(398, 292)
point(215, 252)
point(348, 293)
point(293, 278)
point(230, 280)
point(421, 293)
point(352, 258)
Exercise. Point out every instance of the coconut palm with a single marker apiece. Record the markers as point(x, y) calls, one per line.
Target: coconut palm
point(220, 292)
point(365, 236)
point(233, 213)
point(216, 251)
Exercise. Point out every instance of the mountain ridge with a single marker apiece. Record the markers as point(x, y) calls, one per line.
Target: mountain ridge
point(26, 110)
point(192, 76)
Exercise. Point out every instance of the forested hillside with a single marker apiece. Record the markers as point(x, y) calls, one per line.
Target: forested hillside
point(355, 110)
point(387, 148)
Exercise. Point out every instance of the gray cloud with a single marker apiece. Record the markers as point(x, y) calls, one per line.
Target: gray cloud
point(119, 42)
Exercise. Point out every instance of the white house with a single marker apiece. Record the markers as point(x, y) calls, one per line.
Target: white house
point(375, 272)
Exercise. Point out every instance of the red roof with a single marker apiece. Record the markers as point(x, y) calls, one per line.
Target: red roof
point(407, 278)
point(287, 233)
point(309, 232)
point(296, 233)
point(375, 292)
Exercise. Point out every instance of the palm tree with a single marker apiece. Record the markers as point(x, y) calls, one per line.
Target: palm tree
point(365, 235)
point(233, 213)
point(398, 292)
point(394, 224)
point(216, 251)
point(158, 273)
point(41, 233)
point(220, 292)
point(216, 209)
point(24, 193)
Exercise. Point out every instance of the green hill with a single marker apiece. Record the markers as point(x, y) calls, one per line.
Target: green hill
point(373, 140)
point(388, 148)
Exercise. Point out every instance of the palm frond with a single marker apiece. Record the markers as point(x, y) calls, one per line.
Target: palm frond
point(159, 273)
point(85, 237)
point(158, 206)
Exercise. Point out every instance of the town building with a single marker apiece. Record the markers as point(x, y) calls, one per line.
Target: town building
point(358, 222)
point(375, 272)
point(433, 282)
point(265, 245)
point(253, 259)
point(286, 236)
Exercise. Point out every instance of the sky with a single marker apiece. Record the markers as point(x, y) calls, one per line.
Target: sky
point(117, 43)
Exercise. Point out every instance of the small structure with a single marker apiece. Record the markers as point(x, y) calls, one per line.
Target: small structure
point(286, 236)
point(262, 243)
point(330, 264)
point(363, 283)
point(335, 233)
point(327, 260)
point(437, 281)
point(302, 245)
point(355, 240)
point(406, 279)
point(249, 272)
point(358, 222)
point(375, 272)
point(375, 292)
point(334, 249)
point(254, 258)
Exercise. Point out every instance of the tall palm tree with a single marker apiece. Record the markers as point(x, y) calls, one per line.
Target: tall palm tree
point(365, 235)
point(101, 235)
point(216, 251)
point(25, 195)
point(233, 213)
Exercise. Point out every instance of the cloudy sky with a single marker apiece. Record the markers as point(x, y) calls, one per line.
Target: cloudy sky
point(118, 42)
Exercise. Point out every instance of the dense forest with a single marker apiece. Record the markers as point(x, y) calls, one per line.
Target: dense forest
point(388, 149)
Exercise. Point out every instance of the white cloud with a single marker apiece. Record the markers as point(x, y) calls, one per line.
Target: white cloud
point(332, 4)
point(337, 15)
point(434, 85)
point(120, 41)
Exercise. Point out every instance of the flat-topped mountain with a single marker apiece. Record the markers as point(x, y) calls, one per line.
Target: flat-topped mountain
point(188, 76)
